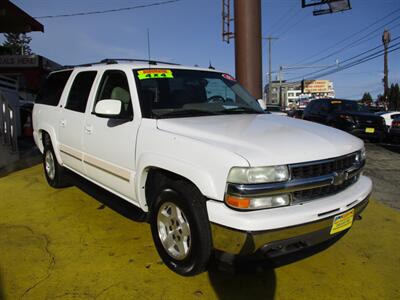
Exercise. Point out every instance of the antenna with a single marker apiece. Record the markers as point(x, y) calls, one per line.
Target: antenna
point(148, 45)
point(211, 66)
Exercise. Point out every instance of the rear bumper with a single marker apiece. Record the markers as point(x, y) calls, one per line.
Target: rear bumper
point(394, 132)
point(283, 240)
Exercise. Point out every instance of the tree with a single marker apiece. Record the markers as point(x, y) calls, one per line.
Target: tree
point(394, 96)
point(366, 99)
point(17, 43)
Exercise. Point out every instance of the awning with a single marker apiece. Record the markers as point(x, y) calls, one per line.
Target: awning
point(14, 19)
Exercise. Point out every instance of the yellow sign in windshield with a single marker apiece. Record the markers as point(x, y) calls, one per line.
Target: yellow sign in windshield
point(154, 73)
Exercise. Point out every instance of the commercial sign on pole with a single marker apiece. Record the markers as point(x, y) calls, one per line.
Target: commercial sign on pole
point(19, 61)
point(316, 86)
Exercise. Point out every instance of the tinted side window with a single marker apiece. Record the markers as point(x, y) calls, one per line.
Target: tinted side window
point(79, 93)
point(53, 87)
point(317, 106)
point(114, 85)
point(394, 116)
point(325, 106)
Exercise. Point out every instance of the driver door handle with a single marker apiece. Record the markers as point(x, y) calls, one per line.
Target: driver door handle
point(88, 129)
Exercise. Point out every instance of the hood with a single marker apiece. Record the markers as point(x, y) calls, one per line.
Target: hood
point(265, 139)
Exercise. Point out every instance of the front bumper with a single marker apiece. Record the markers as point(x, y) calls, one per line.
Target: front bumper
point(378, 133)
point(290, 238)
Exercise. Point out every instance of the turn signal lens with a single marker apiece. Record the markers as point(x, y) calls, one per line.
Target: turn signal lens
point(257, 203)
point(237, 202)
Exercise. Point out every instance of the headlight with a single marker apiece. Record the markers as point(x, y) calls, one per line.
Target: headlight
point(258, 202)
point(258, 174)
point(363, 154)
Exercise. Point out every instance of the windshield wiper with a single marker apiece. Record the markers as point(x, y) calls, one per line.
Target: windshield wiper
point(186, 113)
point(240, 110)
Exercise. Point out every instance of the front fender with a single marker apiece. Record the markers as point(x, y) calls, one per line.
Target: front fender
point(193, 173)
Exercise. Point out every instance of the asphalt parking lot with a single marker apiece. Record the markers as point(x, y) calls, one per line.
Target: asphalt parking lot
point(383, 166)
point(83, 243)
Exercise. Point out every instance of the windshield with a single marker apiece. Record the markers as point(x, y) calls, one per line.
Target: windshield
point(348, 105)
point(172, 93)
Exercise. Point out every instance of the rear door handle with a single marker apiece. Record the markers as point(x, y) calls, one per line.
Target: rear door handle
point(88, 129)
point(63, 123)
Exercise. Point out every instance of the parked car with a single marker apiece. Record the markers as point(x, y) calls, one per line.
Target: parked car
point(394, 131)
point(276, 110)
point(295, 113)
point(196, 153)
point(388, 116)
point(346, 115)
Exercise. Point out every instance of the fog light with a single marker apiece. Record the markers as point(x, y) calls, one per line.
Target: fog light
point(257, 203)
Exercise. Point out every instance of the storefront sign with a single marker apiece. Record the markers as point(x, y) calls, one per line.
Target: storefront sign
point(19, 61)
point(316, 86)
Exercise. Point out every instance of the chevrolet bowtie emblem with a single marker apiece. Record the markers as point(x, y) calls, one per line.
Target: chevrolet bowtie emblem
point(340, 177)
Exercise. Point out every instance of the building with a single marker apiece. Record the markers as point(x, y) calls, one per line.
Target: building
point(286, 94)
point(282, 91)
point(27, 71)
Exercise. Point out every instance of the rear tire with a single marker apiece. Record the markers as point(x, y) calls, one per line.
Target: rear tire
point(180, 227)
point(54, 172)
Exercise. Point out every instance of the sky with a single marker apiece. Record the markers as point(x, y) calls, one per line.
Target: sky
point(189, 32)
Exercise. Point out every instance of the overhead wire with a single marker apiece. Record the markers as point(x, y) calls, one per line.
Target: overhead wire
point(96, 12)
point(287, 16)
point(360, 61)
point(354, 43)
point(347, 37)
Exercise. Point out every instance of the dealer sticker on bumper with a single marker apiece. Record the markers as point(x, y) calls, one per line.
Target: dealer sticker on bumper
point(342, 221)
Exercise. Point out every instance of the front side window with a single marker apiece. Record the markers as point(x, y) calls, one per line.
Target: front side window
point(167, 93)
point(80, 90)
point(114, 85)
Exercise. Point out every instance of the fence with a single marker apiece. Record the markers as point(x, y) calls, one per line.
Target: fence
point(8, 124)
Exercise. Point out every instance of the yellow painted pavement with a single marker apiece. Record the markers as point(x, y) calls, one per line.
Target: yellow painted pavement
point(62, 244)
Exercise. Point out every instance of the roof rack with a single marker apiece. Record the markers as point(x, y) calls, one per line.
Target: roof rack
point(152, 62)
point(110, 61)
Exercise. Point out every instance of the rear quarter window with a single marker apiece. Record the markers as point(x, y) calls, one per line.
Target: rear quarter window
point(53, 87)
point(395, 116)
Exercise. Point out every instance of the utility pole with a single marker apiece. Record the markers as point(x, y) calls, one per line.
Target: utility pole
point(385, 40)
point(248, 40)
point(269, 38)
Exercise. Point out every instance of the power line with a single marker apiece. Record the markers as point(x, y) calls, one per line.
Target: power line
point(287, 16)
point(349, 37)
point(361, 61)
point(348, 59)
point(354, 43)
point(109, 10)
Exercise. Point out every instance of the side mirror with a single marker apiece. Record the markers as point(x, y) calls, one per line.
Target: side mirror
point(108, 108)
point(262, 104)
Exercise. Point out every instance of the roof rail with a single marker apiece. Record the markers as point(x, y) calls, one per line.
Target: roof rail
point(110, 61)
point(152, 62)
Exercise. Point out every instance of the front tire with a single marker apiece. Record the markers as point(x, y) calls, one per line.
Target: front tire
point(180, 228)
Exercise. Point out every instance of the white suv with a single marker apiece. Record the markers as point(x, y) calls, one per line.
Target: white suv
point(195, 152)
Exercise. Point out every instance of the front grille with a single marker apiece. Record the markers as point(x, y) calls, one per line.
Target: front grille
point(319, 168)
point(307, 195)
